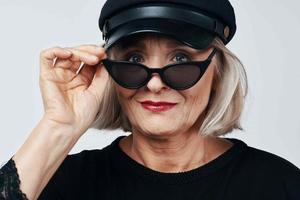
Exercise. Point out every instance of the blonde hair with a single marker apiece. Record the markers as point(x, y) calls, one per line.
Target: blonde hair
point(223, 111)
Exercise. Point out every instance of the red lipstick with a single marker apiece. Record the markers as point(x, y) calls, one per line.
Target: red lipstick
point(157, 106)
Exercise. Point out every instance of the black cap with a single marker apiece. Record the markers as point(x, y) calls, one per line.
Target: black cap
point(193, 22)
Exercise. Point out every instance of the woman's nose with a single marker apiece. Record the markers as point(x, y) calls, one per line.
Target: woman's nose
point(155, 84)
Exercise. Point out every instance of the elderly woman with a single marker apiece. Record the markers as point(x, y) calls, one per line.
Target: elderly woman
point(165, 75)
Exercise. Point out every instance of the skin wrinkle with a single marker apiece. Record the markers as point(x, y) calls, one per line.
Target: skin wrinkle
point(167, 141)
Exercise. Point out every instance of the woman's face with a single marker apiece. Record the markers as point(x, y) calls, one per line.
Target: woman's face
point(157, 51)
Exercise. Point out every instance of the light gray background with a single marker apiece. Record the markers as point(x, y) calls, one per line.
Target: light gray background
point(267, 41)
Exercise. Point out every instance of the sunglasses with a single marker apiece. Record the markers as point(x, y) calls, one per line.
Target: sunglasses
point(178, 76)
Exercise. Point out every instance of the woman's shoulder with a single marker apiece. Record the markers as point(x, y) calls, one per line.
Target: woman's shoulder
point(267, 172)
point(94, 160)
point(88, 158)
point(270, 163)
point(87, 166)
point(264, 161)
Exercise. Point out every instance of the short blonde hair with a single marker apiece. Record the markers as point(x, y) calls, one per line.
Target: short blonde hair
point(224, 108)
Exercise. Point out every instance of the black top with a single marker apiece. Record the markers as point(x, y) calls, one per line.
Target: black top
point(240, 173)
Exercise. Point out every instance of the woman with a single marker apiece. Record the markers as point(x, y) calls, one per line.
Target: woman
point(165, 75)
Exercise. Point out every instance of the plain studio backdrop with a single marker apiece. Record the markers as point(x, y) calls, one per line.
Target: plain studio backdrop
point(266, 41)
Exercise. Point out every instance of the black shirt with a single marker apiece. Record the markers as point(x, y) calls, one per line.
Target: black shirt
point(241, 173)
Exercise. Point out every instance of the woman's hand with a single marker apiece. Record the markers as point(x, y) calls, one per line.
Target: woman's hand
point(72, 99)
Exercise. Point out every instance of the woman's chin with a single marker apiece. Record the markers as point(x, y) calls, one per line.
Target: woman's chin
point(160, 129)
point(159, 135)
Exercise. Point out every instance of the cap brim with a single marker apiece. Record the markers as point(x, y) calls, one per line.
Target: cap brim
point(188, 34)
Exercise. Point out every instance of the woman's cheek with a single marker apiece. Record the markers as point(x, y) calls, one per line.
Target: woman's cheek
point(196, 100)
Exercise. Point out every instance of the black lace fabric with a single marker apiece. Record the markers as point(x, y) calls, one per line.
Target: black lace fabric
point(10, 183)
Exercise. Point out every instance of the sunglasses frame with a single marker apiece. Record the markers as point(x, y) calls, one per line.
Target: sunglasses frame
point(203, 65)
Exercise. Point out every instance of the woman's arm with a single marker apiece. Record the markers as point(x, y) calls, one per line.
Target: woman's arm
point(41, 155)
point(71, 102)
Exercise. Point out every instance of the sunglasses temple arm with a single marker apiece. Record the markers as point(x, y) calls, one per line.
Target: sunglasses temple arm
point(212, 54)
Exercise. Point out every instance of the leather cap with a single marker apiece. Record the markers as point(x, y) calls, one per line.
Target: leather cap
point(193, 22)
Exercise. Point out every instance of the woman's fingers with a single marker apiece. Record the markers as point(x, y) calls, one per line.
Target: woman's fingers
point(93, 49)
point(63, 63)
point(86, 70)
point(81, 60)
point(48, 56)
point(99, 82)
point(87, 54)
point(83, 56)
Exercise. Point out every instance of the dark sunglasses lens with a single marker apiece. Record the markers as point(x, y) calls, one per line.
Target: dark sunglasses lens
point(182, 76)
point(128, 75)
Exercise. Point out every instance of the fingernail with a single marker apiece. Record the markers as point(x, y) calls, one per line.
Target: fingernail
point(94, 58)
point(68, 52)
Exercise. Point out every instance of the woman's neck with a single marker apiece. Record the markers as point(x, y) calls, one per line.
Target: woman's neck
point(182, 152)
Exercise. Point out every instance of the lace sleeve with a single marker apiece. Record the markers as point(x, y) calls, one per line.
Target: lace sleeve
point(10, 183)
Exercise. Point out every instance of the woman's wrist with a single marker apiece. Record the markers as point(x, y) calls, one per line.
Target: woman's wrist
point(42, 153)
point(67, 130)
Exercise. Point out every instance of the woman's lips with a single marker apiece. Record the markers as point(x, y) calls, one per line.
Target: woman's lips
point(157, 106)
